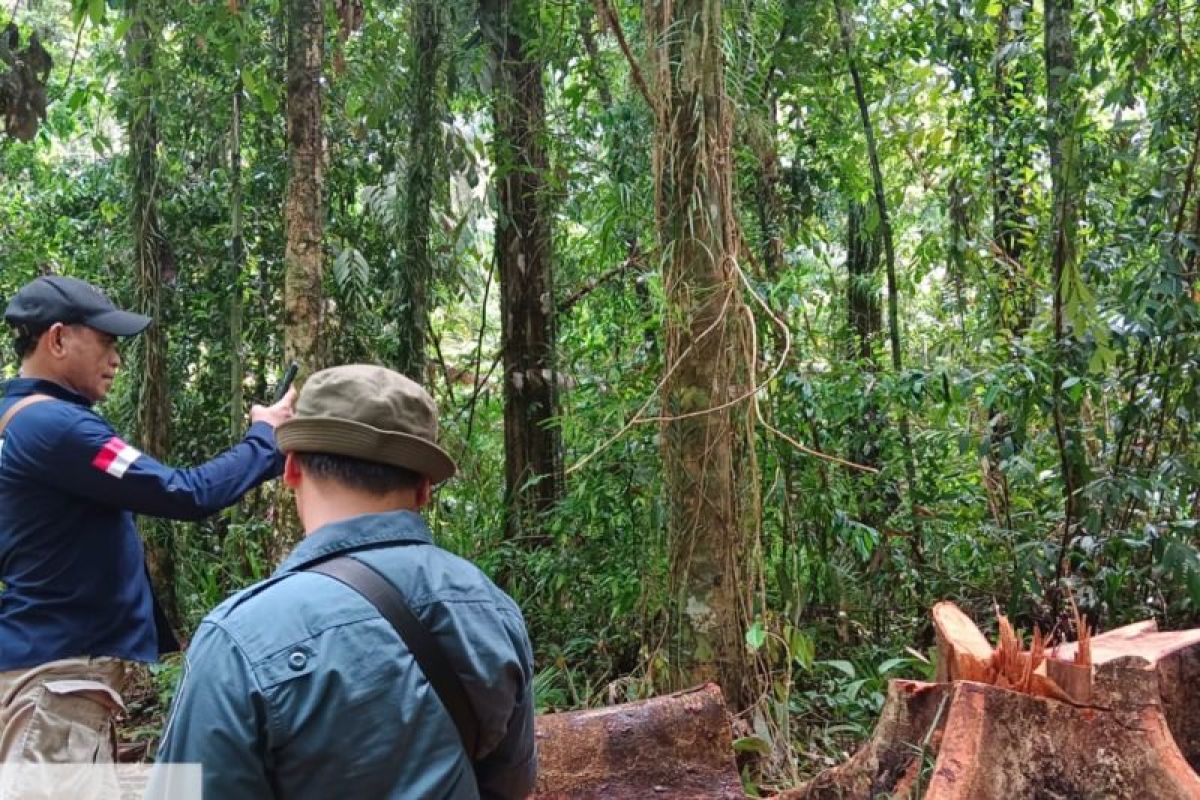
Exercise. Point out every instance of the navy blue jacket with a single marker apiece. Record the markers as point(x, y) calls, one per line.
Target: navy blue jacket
point(297, 688)
point(71, 560)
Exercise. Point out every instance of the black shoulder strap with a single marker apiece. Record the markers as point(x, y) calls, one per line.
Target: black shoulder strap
point(429, 657)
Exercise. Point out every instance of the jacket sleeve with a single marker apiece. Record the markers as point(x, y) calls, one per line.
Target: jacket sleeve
point(510, 770)
point(219, 720)
point(87, 457)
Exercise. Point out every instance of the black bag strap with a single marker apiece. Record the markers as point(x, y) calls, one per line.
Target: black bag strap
point(429, 657)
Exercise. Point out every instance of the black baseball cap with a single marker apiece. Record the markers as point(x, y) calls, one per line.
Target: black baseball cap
point(56, 298)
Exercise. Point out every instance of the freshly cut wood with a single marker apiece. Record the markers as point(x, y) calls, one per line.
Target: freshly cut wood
point(676, 747)
point(1174, 656)
point(964, 654)
point(1004, 737)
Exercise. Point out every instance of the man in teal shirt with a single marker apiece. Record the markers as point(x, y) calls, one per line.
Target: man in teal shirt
point(297, 687)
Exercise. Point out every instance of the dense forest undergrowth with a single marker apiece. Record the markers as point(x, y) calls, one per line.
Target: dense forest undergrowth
point(756, 328)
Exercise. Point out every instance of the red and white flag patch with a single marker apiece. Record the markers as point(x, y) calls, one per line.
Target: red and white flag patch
point(115, 457)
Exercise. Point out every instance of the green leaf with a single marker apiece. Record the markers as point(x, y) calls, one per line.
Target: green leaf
point(893, 663)
point(801, 647)
point(96, 11)
point(756, 636)
point(845, 667)
point(752, 744)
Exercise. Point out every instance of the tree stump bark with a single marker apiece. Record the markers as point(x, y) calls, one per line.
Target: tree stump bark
point(675, 747)
point(961, 739)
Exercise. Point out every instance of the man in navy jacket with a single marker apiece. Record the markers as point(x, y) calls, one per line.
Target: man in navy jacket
point(77, 604)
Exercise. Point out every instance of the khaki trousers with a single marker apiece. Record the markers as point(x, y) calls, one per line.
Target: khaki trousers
point(61, 712)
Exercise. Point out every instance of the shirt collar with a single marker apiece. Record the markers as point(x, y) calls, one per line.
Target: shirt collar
point(23, 387)
point(355, 533)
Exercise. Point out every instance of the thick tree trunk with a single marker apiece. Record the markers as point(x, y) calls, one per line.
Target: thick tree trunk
point(705, 435)
point(303, 208)
point(524, 256)
point(151, 255)
point(422, 162)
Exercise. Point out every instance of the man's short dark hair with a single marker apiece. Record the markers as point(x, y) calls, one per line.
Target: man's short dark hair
point(356, 473)
point(25, 340)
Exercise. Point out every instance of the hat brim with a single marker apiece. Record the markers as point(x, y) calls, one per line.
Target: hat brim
point(355, 439)
point(118, 323)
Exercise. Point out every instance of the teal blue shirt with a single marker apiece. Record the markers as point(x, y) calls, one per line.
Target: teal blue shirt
point(297, 688)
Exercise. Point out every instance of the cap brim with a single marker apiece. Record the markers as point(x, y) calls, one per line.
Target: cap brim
point(118, 323)
point(355, 439)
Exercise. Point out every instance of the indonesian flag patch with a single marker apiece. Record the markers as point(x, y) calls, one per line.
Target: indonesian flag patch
point(115, 457)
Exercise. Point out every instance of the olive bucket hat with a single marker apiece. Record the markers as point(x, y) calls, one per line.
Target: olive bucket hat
point(368, 412)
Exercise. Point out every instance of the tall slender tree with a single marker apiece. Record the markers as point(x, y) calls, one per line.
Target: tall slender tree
point(424, 104)
point(893, 292)
point(237, 261)
point(706, 435)
point(304, 204)
point(524, 259)
point(1062, 105)
point(1011, 160)
point(151, 255)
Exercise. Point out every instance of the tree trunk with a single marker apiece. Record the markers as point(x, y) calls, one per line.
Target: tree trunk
point(303, 207)
point(1011, 159)
point(151, 256)
point(705, 433)
point(893, 292)
point(862, 290)
point(237, 259)
point(303, 220)
point(524, 257)
point(424, 145)
point(1061, 105)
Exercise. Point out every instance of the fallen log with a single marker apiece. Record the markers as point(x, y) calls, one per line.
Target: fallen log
point(1017, 728)
point(675, 747)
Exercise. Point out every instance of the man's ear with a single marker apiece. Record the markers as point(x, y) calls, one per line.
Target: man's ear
point(424, 492)
point(292, 473)
point(53, 338)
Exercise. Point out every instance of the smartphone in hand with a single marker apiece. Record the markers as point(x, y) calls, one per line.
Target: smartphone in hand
point(285, 382)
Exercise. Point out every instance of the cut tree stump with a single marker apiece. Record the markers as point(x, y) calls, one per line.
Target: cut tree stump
point(1018, 729)
point(675, 747)
point(1175, 657)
